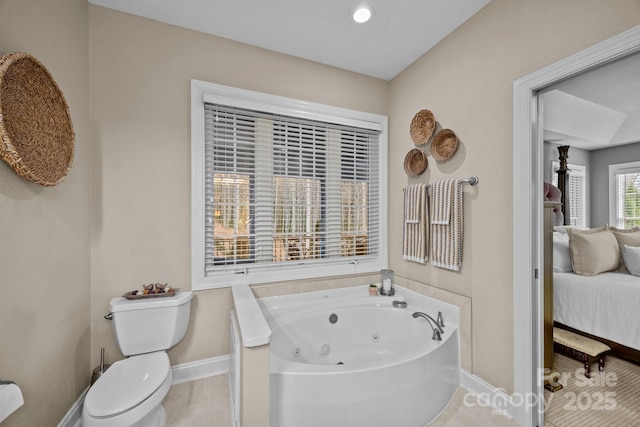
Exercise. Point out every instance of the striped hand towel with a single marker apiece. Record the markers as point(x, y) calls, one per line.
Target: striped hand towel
point(415, 241)
point(446, 224)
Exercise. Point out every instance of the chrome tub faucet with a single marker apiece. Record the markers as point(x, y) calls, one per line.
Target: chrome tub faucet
point(437, 329)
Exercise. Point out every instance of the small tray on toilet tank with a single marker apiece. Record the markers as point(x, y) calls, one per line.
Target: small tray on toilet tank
point(154, 290)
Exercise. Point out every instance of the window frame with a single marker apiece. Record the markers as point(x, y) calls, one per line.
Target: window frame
point(576, 171)
point(204, 92)
point(616, 169)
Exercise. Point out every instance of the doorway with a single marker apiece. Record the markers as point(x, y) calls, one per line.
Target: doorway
point(527, 216)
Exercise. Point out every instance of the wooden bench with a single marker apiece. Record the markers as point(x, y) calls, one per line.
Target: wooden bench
point(580, 348)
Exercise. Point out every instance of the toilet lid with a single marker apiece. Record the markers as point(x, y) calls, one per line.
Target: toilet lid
point(126, 384)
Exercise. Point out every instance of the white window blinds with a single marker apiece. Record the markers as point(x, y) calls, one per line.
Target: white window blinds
point(625, 185)
point(577, 192)
point(287, 191)
point(577, 203)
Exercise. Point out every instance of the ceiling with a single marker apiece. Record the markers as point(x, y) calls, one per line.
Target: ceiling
point(596, 109)
point(399, 32)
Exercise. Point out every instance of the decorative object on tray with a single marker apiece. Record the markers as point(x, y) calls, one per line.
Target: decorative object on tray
point(422, 127)
point(36, 133)
point(152, 290)
point(415, 162)
point(444, 145)
point(373, 290)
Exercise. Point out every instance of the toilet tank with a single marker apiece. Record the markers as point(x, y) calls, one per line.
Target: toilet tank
point(150, 324)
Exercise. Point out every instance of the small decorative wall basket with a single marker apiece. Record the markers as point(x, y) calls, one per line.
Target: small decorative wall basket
point(36, 134)
point(415, 162)
point(422, 126)
point(444, 145)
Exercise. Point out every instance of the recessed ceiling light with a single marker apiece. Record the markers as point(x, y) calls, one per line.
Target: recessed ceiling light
point(362, 14)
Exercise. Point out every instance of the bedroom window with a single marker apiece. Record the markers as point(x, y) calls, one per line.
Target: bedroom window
point(624, 194)
point(283, 189)
point(577, 192)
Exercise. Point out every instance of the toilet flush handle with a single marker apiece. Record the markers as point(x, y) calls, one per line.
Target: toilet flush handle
point(109, 316)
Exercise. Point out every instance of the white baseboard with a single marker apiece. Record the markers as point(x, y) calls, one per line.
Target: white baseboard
point(486, 395)
point(200, 369)
point(73, 417)
point(181, 373)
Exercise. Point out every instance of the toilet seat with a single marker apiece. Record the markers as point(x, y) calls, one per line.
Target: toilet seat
point(126, 384)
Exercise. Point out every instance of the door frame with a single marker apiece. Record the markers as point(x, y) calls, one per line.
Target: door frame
point(527, 217)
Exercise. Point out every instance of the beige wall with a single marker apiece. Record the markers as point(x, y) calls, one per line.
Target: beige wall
point(44, 231)
point(466, 80)
point(140, 93)
point(60, 264)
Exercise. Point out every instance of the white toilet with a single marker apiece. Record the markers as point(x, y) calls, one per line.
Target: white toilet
point(131, 391)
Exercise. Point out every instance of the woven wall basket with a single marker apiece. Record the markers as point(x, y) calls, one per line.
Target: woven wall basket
point(444, 145)
point(36, 134)
point(422, 126)
point(415, 163)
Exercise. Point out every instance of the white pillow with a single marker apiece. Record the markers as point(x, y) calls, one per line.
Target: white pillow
point(561, 255)
point(629, 236)
point(631, 255)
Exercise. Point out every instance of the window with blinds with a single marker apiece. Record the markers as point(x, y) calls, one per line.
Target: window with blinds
point(577, 192)
point(284, 195)
point(624, 181)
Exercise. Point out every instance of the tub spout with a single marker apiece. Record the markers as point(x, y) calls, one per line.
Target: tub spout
point(437, 330)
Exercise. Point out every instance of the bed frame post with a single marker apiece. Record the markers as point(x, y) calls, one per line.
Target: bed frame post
point(563, 182)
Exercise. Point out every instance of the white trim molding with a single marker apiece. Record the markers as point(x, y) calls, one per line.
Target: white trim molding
point(614, 201)
point(73, 417)
point(527, 209)
point(485, 395)
point(203, 92)
point(200, 369)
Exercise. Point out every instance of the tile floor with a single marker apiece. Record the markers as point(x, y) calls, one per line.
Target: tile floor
point(199, 403)
point(459, 414)
point(205, 402)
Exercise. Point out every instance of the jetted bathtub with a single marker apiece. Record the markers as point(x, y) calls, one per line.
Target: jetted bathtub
point(344, 358)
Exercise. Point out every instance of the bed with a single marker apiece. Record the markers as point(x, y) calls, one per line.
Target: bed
point(596, 283)
point(603, 306)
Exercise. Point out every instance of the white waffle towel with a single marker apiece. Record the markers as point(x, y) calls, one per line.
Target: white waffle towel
point(415, 245)
point(447, 224)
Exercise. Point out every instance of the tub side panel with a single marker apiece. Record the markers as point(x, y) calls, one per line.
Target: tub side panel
point(407, 394)
point(254, 388)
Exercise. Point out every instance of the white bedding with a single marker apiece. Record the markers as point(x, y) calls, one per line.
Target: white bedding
point(606, 305)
